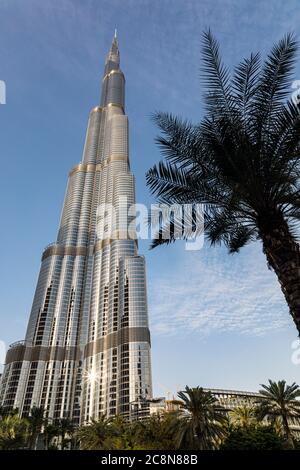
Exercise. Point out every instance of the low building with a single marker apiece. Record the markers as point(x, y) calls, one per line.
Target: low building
point(231, 399)
point(159, 405)
point(228, 399)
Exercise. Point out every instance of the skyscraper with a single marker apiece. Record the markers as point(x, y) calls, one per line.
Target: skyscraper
point(87, 347)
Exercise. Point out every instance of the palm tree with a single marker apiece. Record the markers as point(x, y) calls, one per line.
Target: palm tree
point(202, 420)
point(157, 432)
point(65, 428)
point(121, 435)
point(51, 431)
point(94, 435)
point(279, 401)
point(13, 432)
point(36, 421)
point(241, 162)
point(243, 416)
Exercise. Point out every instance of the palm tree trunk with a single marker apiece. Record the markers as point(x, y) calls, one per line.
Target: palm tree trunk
point(46, 442)
point(63, 435)
point(283, 255)
point(32, 441)
point(287, 431)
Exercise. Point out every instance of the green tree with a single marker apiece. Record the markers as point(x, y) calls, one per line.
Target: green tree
point(241, 161)
point(6, 411)
point(154, 432)
point(51, 431)
point(157, 432)
point(95, 435)
point(201, 425)
point(65, 431)
point(243, 416)
point(36, 420)
point(122, 435)
point(252, 438)
point(280, 401)
point(13, 432)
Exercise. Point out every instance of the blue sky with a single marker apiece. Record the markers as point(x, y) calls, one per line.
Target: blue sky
point(216, 320)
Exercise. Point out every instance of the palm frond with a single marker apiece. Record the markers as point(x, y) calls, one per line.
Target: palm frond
point(180, 142)
point(274, 85)
point(168, 181)
point(238, 238)
point(215, 77)
point(176, 222)
point(245, 84)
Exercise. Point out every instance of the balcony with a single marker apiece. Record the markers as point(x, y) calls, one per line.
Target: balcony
point(17, 344)
point(49, 246)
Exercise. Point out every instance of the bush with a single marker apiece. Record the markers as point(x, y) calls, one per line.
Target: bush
point(253, 438)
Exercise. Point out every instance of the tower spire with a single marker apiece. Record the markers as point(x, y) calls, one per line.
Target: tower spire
point(113, 83)
point(114, 46)
point(113, 56)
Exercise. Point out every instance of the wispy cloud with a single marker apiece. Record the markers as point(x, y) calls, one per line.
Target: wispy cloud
point(219, 293)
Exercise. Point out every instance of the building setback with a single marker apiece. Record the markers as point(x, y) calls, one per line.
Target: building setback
point(87, 347)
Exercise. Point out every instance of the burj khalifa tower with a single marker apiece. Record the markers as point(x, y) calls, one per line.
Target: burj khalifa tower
point(86, 351)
